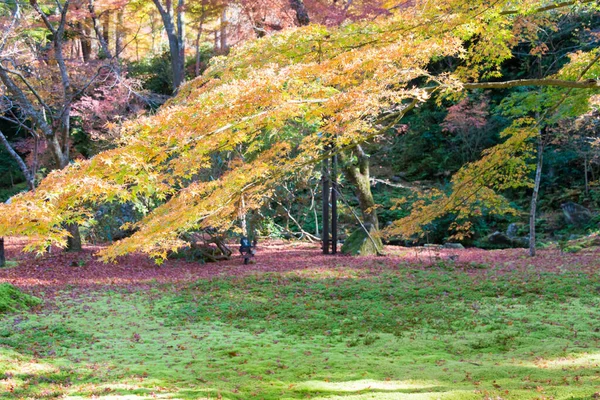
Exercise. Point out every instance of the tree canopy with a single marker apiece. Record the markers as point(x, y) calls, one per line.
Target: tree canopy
point(344, 85)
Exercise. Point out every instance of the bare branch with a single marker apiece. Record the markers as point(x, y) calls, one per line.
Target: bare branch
point(586, 84)
point(25, 103)
point(31, 88)
point(550, 7)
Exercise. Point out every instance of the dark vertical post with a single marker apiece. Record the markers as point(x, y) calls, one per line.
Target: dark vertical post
point(334, 217)
point(325, 180)
point(2, 256)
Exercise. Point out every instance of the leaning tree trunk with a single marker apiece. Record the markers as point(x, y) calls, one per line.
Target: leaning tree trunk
point(358, 174)
point(534, 196)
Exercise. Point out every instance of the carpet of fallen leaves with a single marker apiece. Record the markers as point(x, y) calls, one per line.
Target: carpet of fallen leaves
point(57, 270)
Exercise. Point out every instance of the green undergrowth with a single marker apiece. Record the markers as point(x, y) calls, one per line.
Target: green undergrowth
point(10, 264)
point(12, 299)
point(325, 334)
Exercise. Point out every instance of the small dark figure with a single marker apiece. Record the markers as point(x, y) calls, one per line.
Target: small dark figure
point(247, 249)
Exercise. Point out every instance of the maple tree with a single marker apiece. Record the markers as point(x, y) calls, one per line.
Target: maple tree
point(351, 83)
point(45, 82)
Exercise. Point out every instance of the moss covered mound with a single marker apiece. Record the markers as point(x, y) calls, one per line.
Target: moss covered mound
point(361, 243)
point(12, 299)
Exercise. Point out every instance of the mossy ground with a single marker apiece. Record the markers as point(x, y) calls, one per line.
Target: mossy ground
point(12, 299)
point(341, 333)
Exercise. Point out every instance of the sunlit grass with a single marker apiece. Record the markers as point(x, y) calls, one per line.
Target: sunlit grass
point(324, 334)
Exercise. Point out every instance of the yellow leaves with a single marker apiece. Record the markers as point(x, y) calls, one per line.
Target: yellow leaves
point(578, 62)
point(474, 187)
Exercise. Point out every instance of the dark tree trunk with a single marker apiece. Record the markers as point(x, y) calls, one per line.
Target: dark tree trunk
point(301, 13)
point(334, 211)
point(106, 29)
point(73, 241)
point(86, 43)
point(2, 255)
point(325, 209)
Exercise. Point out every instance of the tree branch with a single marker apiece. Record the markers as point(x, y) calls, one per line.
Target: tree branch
point(31, 88)
point(28, 175)
point(43, 15)
point(24, 102)
point(586, 84)
point(550, 7)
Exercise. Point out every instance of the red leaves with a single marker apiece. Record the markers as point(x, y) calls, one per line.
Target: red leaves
point(58, 270)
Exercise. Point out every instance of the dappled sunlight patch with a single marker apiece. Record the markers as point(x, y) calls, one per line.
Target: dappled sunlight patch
point(453, 394)
point(366, 385)
point(12, 363)
point(340, 272)
point(18, 372)
point(122, 396)
point(574, 361)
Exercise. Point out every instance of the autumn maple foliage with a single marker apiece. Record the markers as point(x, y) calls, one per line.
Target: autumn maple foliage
point(350, 83)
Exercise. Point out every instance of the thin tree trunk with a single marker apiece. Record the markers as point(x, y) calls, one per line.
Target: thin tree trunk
point(224, 22)
point(534, 196)
point(325, 207)
point(334, 212)
point(100, 34)
point(106, 28)
point(119, 33)
point(585, 172)
point(181, 39)
point(2, 254)
point(86, 44)
point(198, 36)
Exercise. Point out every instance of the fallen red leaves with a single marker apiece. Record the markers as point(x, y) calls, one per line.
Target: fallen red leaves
point(55, 271)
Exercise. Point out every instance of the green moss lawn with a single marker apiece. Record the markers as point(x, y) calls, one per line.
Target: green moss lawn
point(381, 328)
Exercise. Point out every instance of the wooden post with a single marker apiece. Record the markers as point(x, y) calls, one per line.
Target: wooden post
point(334, 217)
point(2, 255)
point(325, 181)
